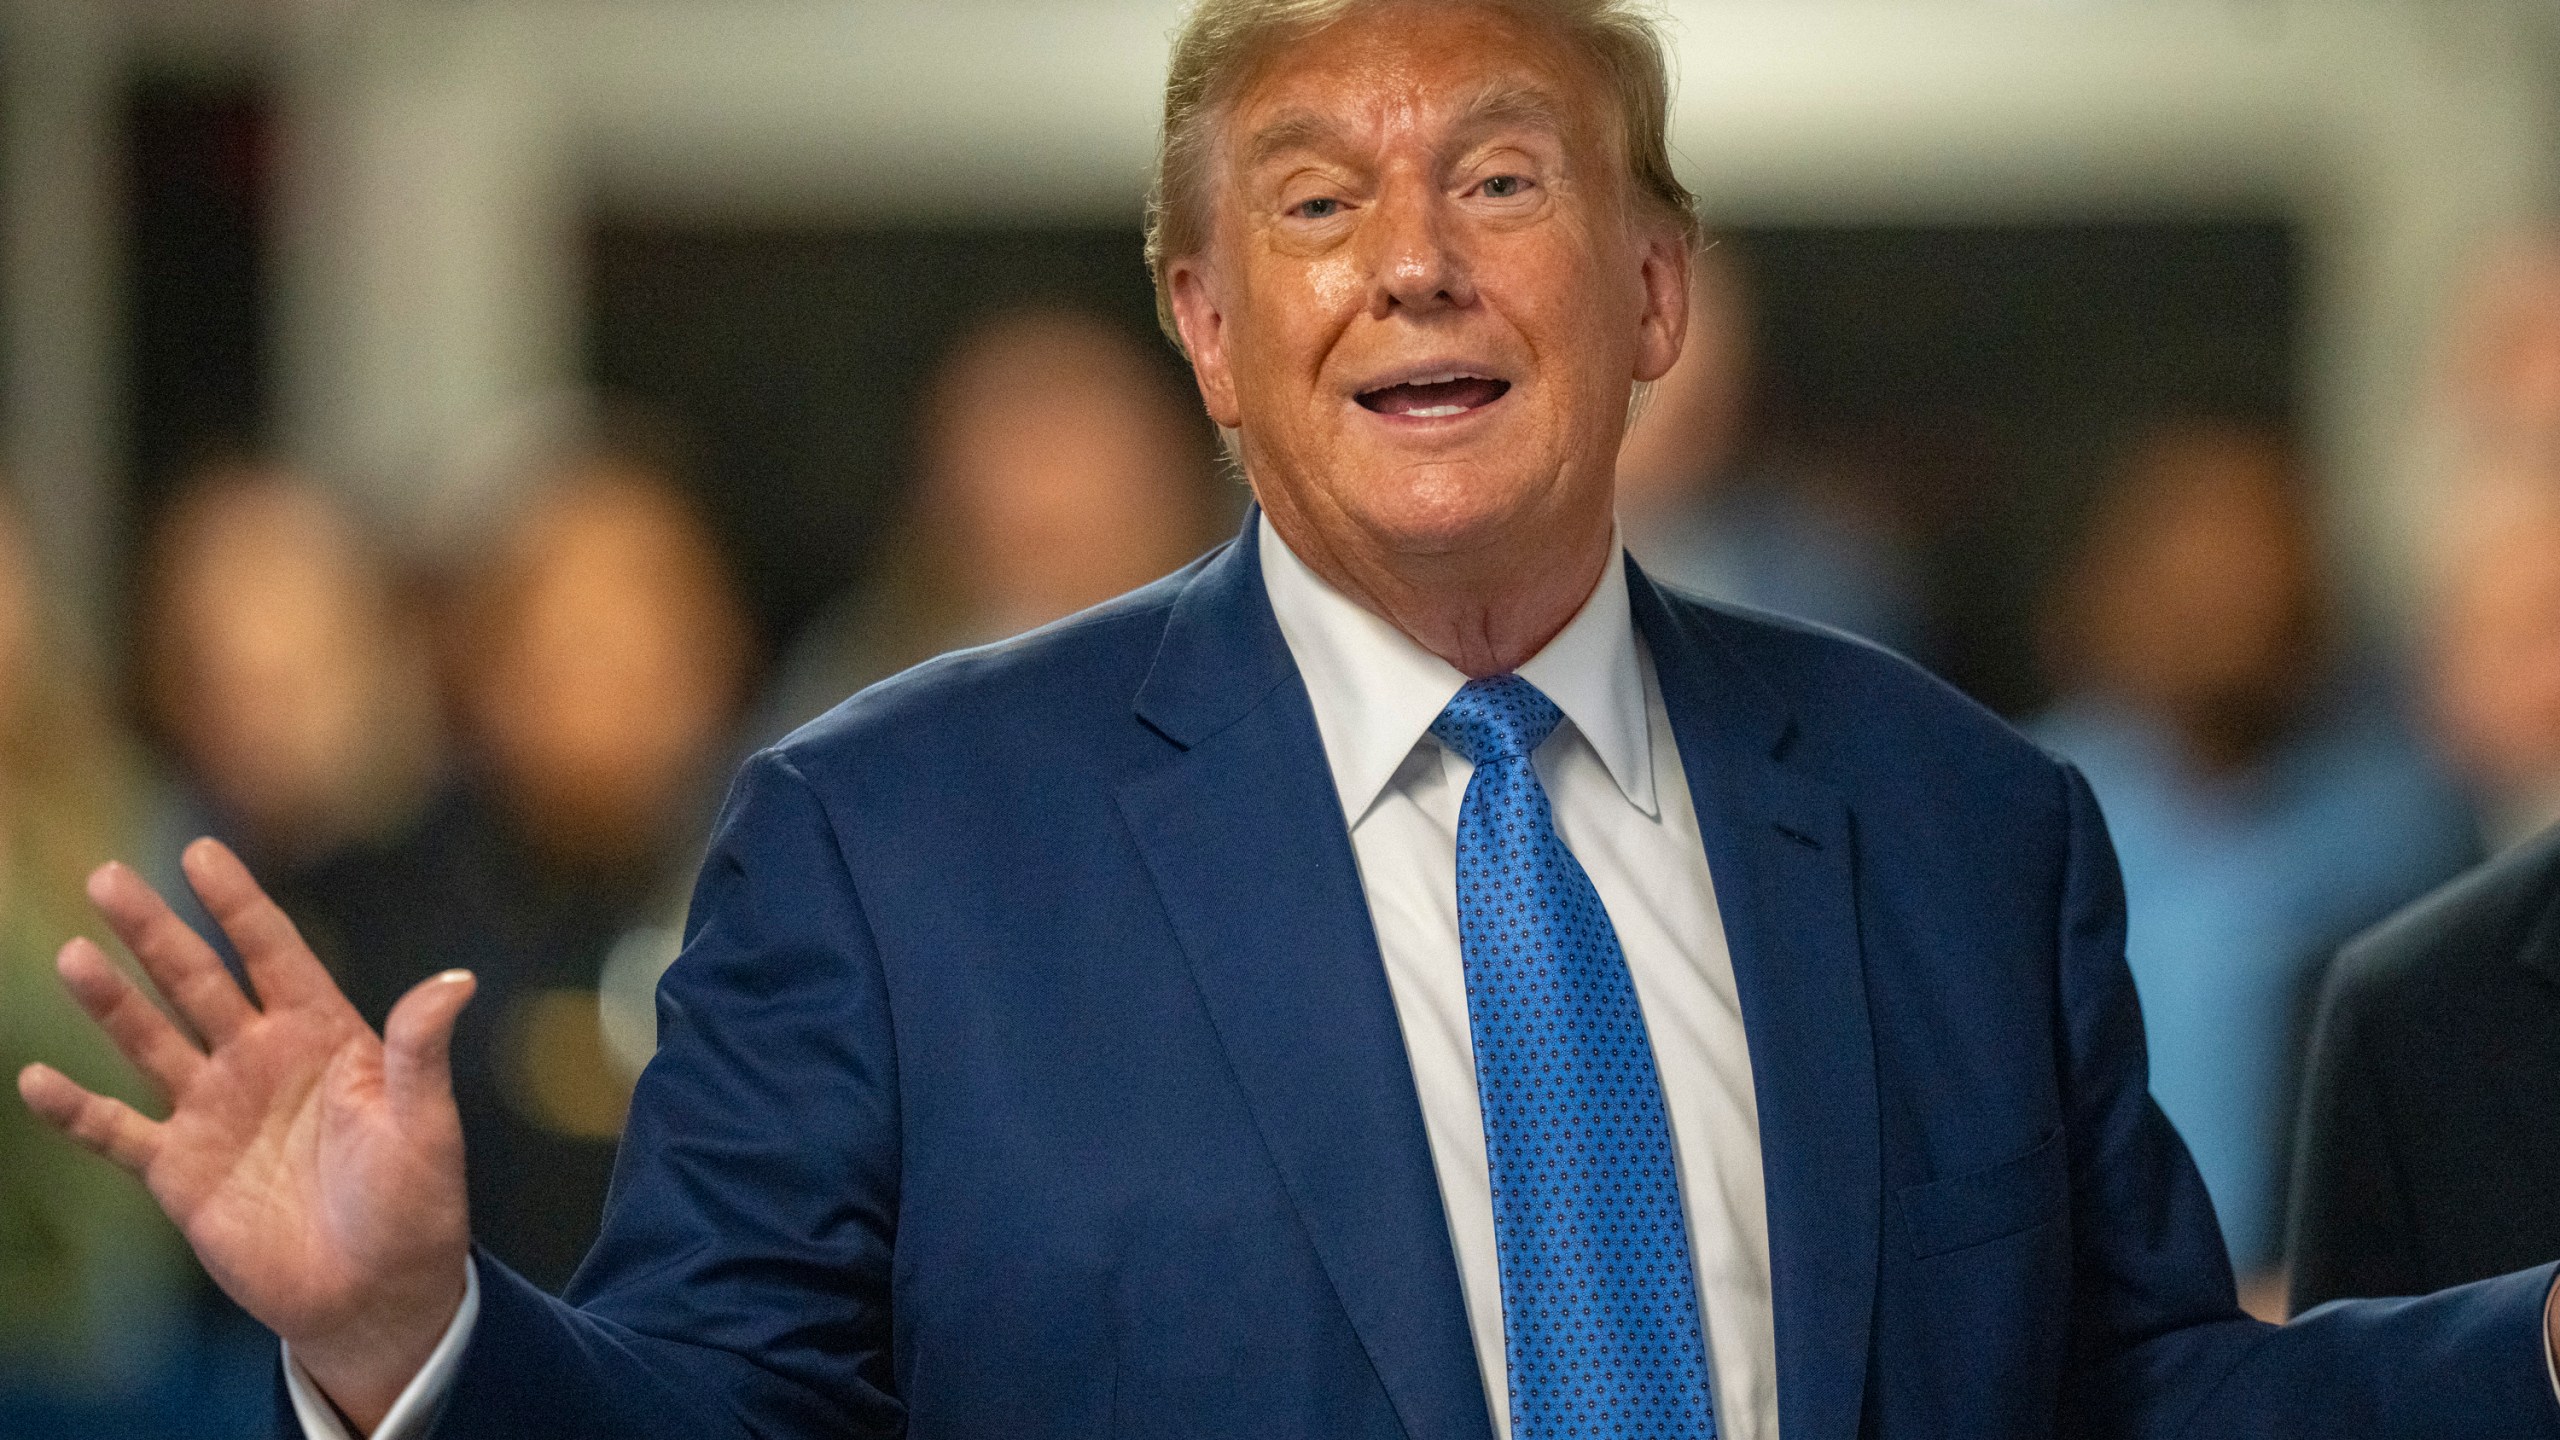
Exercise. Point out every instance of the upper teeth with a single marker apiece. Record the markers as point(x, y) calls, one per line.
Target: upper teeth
point(1440, 379)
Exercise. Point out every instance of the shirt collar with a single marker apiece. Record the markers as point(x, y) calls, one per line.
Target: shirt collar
point(1375, 692)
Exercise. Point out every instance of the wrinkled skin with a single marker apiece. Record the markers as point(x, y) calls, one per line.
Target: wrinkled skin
point(1418, 191)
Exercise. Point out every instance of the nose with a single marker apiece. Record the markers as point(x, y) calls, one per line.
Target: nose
point(1418, 260)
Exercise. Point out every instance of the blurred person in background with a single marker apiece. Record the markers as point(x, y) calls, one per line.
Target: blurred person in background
point(2434, 1054)
point(2435, 1067)
point(282, 665)
point(2264, 802)
point(289, 681)
point(1089, 479)
point(2493, 616)
point(1705, 507)
point(2437, 1050)
point(2493, 660)
point(2498, 403)
point(596, 653)
point(95, 1289)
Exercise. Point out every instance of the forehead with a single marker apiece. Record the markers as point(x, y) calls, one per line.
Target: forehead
point(1422, 67)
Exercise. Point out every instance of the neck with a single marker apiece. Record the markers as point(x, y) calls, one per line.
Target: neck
point(1486, 611)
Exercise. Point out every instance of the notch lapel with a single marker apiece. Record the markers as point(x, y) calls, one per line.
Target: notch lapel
point(1779, 846)
point(1244, 837)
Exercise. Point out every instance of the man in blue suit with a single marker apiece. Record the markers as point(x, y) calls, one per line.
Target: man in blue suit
point(1406, 975)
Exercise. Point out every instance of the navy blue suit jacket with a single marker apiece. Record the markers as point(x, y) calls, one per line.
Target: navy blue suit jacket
point(1031, 1071)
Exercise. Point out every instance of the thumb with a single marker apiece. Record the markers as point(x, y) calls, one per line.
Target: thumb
point(417, 1041)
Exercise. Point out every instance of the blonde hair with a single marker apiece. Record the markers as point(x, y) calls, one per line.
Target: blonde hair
point(1220, 42)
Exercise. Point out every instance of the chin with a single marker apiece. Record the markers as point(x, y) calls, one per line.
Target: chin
point(1444, 508)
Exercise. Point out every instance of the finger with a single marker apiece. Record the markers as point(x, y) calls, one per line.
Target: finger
point(144, 1035)
point(281, 967)
point(176, 957)
point(110, 1127)
point(417, 1041)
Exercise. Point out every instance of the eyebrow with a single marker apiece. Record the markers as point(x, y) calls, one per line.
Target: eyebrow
point(1525, 106)
point(1496, 106)
point(1295, 130)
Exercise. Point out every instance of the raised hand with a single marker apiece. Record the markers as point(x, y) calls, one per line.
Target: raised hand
point(315, 1168)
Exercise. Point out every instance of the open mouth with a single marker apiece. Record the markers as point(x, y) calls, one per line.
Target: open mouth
point(1435, 397)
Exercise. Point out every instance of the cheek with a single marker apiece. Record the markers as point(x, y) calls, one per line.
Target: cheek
point(1335, 285)
point(1582, 292)
point(1297, 308)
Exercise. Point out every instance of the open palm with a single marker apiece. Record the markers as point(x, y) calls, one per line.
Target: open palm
point(315, 1167)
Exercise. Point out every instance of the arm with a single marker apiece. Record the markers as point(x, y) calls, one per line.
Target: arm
point(308, 1414)
point(741, 1284)
point(2159, 1348)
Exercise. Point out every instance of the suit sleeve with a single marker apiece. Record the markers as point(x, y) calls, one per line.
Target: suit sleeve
point(2159, 1348)
point(2351, 1229)
point(741, 1284)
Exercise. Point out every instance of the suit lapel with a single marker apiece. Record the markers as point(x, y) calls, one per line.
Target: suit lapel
point(1779, 847)
point(2540, 949)
point(1244, 837)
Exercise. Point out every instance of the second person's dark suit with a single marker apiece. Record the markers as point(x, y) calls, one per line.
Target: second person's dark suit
point(2430, 1149)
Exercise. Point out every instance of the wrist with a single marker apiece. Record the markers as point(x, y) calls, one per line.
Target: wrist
point(365, 1361)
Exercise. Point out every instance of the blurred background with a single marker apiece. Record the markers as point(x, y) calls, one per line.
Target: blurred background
point(440, 437)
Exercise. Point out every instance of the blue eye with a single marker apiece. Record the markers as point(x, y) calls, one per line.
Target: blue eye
point(1320, 208)
point(1504, 187)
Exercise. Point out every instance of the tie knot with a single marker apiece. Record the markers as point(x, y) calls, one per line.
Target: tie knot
point(1504, 717)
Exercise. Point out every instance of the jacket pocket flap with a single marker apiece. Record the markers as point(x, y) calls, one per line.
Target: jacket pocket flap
point(1987, 1204)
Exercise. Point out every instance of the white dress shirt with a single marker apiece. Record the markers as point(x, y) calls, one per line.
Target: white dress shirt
point(1621, 801)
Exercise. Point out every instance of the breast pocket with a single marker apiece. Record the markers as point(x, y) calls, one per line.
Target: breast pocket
point(1989, 1204)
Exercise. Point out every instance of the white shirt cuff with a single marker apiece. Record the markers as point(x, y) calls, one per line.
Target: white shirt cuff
point(417, 1404)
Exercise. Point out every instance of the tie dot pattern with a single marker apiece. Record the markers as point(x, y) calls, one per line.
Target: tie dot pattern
point(1599, 1303)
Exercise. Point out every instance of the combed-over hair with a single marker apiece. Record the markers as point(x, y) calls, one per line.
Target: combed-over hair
point(1221, 40)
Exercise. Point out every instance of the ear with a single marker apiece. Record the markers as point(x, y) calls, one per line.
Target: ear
point(1197, 314)
point(1664, 322)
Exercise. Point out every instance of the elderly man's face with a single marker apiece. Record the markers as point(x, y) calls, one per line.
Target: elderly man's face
point(1426, 293)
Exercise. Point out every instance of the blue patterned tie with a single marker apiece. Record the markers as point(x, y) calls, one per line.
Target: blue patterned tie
point(1599, 1306)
